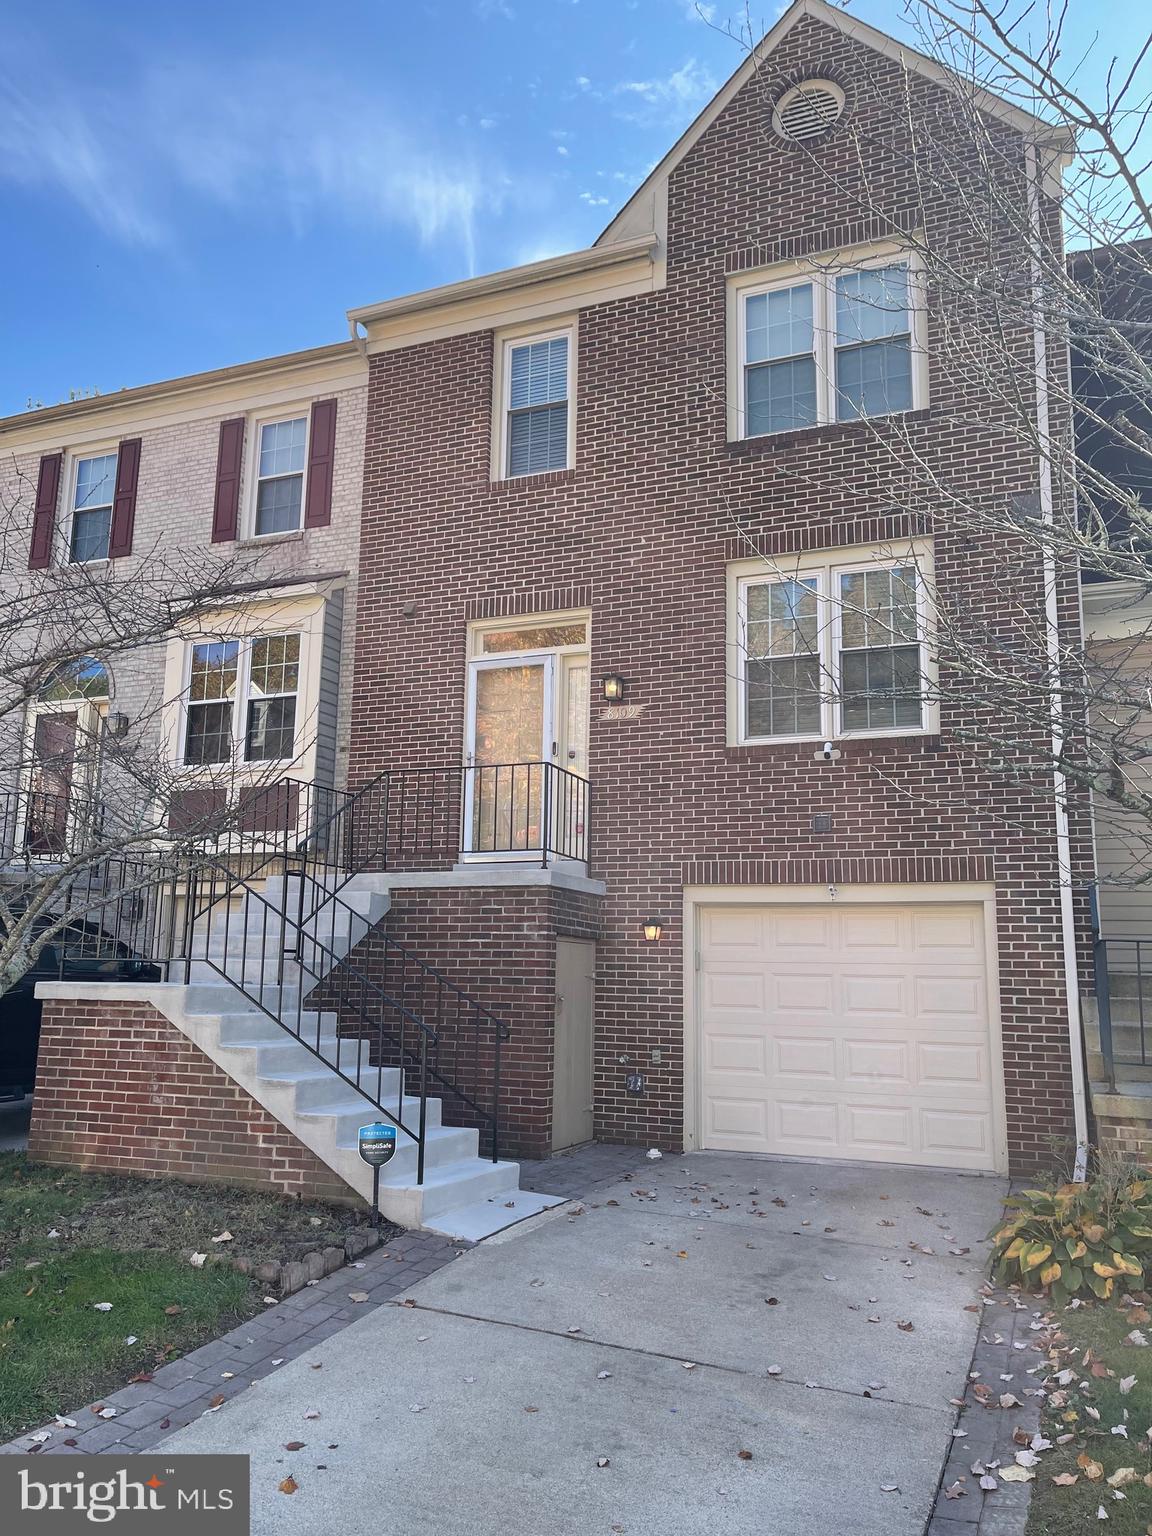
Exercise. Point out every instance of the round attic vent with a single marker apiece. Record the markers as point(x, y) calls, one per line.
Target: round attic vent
point(808, 111)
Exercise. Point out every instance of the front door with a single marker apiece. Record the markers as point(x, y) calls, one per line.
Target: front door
point(51, 775)
point(526, 749)
point(511, 733)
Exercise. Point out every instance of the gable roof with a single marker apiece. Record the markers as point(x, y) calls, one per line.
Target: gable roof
point(643, 209)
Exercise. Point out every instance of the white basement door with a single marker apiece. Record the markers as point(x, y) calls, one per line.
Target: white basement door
point(847, 1031)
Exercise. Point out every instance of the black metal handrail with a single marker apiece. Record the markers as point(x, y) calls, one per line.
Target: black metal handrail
point(180, 914)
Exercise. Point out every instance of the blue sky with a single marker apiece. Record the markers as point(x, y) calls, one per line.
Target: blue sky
point(186, 186)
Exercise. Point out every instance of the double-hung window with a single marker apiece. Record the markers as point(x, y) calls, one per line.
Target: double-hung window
point(93, 492)
point(826, 345)
point(537, 405)
point(280, 462)
point(241, 700)
point(835, 646)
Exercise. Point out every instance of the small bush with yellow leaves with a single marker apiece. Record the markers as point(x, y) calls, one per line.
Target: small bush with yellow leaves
point(1077, 1239)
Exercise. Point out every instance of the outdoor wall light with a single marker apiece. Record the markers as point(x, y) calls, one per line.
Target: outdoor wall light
point(613, 687)
point(653, 928)
point(118, 725)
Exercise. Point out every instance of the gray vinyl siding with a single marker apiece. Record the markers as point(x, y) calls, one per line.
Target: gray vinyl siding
point(329, 691)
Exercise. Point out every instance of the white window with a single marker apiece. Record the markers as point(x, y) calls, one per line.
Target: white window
point(278, 498)
point(240, 703)
point(93, 490)
point(536, 413)
point(816, 346)
point(832, 646)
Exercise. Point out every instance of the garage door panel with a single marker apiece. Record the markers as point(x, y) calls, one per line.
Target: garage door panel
point(945, 1132)
point(859, 1031)
point(808, 1125)
point(799, 928)
point(952, 1064)
point(949, 930)
point(739, 1122)
point(804, 1056)
point(879, 1127)
point(873, 929)
point(952, 995)
point(802, 991)
point(872, 993)
point(745, 1054)
point(877, 1061)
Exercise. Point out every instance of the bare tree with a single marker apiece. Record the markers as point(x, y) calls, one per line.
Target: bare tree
point(92, 802)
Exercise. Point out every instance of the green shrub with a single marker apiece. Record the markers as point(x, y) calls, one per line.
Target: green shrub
point(1079, 1239)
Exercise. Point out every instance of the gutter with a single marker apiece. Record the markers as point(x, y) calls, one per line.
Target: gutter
point(1052, 646)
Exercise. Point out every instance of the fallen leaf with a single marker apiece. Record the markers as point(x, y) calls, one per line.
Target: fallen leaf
point(289, 1485)
point(890, 1487)
point(989, 1483)
point(1092, 1470)
point(1122, 1477)
point(141, 1376)
point(955, 1492)
point(164, 1424)
point(603, 1375)
point(102, 1306)
point(65, 1423)
point(312, 1413)
point(295, 1445)
point(225, 1237)
point(744, 1455)
point(1126, 1385)
point(602, 1461)
point(357, 1296)
point(1017, 1475)
point(173, 1311)
point(1007, 1400)
point(1065, 1479)
point(906, 1327)
point(197, 1260)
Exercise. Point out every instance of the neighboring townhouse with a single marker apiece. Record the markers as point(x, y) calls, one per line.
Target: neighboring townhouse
point(253, 472)
point(626, 513)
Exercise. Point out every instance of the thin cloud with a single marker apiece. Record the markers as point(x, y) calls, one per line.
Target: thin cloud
point(689, 86)
point(225, 138)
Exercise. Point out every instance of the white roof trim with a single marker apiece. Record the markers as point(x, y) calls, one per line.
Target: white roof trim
point(831, 16)
point(507, 280)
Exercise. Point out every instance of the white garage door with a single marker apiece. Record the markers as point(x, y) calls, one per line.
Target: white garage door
point(847, 1031)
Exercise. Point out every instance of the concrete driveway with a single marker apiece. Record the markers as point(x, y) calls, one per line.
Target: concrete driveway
point(488, 1407)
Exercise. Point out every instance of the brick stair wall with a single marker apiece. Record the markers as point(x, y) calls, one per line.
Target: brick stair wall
point(120, 1090)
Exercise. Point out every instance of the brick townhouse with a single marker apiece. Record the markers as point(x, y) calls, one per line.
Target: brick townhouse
point(648, 754)
point(637, 492)
point(256, 467)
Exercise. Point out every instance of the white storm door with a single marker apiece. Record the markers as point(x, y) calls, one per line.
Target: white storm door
point(510, 738)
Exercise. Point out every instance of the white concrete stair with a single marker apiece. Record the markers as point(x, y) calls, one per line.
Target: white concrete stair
point(292, 1060)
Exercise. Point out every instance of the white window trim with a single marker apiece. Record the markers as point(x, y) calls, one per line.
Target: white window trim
point(827, 566)
point(72, 463)
point(822, 274)
point(502, 394)
point(252, 431)
point(239, 761)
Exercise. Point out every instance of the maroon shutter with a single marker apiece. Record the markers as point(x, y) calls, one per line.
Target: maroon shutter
point(124, 501)
point(44, 516)
point(321, 458)
point(226, 511)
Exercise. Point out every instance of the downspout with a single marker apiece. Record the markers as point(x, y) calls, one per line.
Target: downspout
point(1052, 643)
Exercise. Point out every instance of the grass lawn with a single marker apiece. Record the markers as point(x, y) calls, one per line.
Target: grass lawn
point(1066, 1511)
point(127, 1242)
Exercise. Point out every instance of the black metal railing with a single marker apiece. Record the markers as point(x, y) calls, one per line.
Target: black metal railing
point(1122, 990)
point(402, 1030)
point(428, 817)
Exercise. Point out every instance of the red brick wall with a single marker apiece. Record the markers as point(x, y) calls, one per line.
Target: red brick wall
point(640, 532)
point(120, 1089)
point(498, 945)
